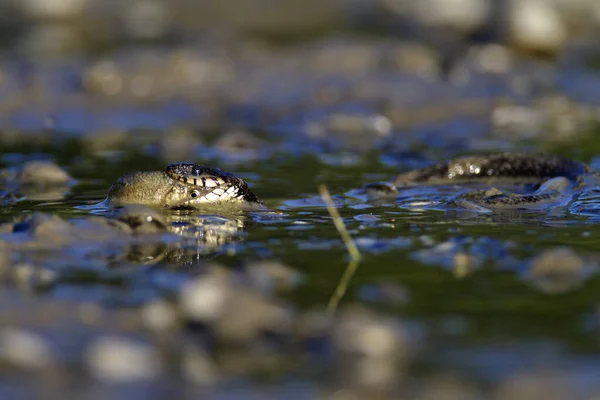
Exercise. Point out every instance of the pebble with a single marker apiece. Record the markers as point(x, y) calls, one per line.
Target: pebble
point(160, 316)
point(197, 367)
point(247, 314)
point(268, 276)
point(52, 9)
point(557, 270)
point(42, 173)
point(361, 332)
point(492, 58)
point(203, 299)
point(363, 126)
point(118, 359)
point(25, 349)
point(465, 263)
point(526, 120)
point(44, 226)
point(462, 15)
point(536, 25)
point(27, 276)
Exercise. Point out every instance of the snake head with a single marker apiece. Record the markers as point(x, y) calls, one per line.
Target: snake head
point(205, 185)
point(182, 185)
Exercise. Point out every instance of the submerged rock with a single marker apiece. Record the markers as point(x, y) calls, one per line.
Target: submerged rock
point(269, 276)
point(203, 299)
point(117, 359)
point(42, 173)
point(235, 313)
point(246, 315)
point(25, 349)
point(361, 332)
point(536, 25)
point(34, 180)
point(558, 270)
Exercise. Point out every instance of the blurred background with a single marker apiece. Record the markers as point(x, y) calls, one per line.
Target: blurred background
point(243, 62)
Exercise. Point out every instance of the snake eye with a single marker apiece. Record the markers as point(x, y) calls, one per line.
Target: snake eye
point(194, 194)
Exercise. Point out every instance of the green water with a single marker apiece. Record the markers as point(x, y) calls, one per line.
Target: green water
point(467, 312)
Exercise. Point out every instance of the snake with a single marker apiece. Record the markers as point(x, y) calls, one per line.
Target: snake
point(183, 186)
point(553, 180)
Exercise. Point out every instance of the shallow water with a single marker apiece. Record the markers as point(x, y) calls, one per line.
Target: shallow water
point(463, 280)
point(443, 301)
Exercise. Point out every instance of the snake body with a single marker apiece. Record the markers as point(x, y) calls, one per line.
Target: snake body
point(555, 178)
point(500, 166)
point(553, 181)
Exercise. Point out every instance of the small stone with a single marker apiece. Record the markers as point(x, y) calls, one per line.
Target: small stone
point(25, 349)
point(159, 316)
point(557, 270)
point(358, 331)
point(526, 120)
point(465, 263)
point(23, 275)
point(415, 59)
point(536, 25)
point(27, 276)
point(247, 314)
point(197, 367)
point(461, 15)
point(42, 173)
point(52, 9)
point(203, 299)
point(267, 276)
point(44, 226)
point(104, 78)
point(492, 58)
point(117, 359)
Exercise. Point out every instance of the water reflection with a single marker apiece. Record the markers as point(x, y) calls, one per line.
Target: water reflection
point(130, 235)
point(204, 236)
